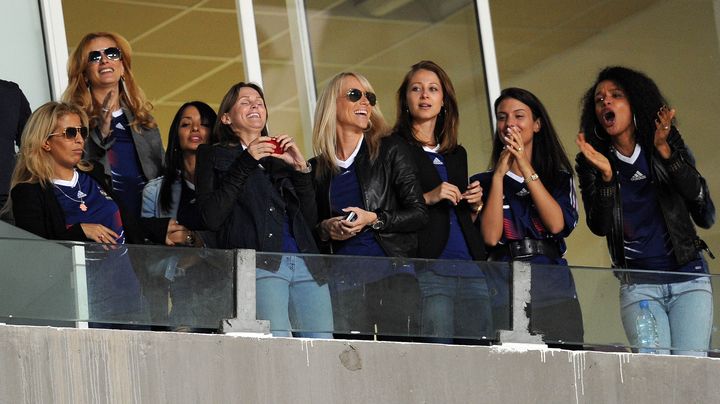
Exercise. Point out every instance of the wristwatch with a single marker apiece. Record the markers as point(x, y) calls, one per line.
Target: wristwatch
point(379, 223)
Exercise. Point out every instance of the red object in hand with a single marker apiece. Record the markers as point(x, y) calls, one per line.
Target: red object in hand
point(278, 149)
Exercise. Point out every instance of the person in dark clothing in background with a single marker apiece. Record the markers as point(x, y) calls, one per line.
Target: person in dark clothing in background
point(14, 112)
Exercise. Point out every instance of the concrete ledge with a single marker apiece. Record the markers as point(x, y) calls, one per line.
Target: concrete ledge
point(56, 365)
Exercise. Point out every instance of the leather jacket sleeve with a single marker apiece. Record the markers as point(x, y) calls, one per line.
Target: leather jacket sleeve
point(412, 214)
point(216, 200)
point(305, 190)
point(597, 195)
point(687, 181)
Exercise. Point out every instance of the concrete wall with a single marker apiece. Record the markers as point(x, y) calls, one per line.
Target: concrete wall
point(48, 365)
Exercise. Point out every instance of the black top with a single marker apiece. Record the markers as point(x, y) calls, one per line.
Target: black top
point(14, 112)
point(433, 237)
point(36, 209)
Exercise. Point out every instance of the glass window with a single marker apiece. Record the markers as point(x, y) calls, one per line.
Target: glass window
point(382, 39)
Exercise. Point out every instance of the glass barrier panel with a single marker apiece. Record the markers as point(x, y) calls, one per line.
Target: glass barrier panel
point(623, 310)
point(382, 298)
point(127, 286)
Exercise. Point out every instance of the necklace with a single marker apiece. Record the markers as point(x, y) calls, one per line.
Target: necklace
point(80, 195)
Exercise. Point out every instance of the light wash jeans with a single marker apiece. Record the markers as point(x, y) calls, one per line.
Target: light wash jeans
point(292, 300)
point(454, 306)
point(683, 312)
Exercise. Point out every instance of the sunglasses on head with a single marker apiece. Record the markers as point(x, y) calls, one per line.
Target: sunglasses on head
point(71, 132)
point(112, 53)
point(355, 95)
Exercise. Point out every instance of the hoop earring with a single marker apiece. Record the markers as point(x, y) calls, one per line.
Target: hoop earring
point(596, 134)
point(634, 121)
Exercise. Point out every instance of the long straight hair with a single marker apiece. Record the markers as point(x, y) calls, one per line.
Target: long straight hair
point(325, 127)
point(174, 164)
point(34, 164)
point(446, 125)
point(548, 154)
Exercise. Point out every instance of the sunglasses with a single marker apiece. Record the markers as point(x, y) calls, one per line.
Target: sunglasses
point(71, 132)
point(355, 95)
point(112, 53)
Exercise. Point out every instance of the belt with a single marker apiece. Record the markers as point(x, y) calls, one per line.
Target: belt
point(526, 248)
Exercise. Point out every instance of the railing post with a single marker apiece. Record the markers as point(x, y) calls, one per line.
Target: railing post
point(521, 283)
point(245, 320)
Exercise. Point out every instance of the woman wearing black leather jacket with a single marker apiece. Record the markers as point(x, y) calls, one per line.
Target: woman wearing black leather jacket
point(256, 192)
point(640, 189)
point(361, 172)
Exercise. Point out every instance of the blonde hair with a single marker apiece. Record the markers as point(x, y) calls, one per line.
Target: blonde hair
point(79, 91)
point(325, 128)
point(34, 164)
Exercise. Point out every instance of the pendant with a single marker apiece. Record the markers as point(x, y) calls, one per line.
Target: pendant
point(83, 207)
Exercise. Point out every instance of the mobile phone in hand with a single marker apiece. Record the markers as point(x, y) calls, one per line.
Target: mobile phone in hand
point(351, 217)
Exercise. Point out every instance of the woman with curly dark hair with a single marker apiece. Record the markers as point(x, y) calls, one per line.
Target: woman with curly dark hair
point(530, 209)
point(633, 145)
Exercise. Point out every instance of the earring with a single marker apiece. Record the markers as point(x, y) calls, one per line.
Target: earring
point(634, 121)
point(596, 134)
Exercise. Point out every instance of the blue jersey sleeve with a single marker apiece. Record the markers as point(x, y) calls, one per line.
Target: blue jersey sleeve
point(564, 195)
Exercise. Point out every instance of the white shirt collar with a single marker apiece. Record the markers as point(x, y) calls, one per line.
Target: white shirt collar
point(66, 183)
point(350, 160)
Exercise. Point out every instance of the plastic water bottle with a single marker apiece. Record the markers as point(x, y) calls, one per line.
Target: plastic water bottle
point(646, 329)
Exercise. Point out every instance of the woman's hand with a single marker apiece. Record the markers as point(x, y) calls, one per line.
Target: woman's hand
point(334, 229)
point(504, 163)
point(514, 145)
point(261, 147)
point(662, 130)
point(108, 105)
point(99, 233)
point(596, 159)
point(443, 191)
point(176, 234)
point(291, 152)
point(473, 196)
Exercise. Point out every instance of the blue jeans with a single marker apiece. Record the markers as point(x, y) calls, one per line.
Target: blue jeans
point(292, 296)
point(683, 312)
point(454, 306)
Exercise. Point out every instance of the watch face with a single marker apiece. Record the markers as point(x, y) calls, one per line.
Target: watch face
point(378, 225)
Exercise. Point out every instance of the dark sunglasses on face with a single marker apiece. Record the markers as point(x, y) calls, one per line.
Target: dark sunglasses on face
point(112, 53)
point(354, 95)
point(71, 132)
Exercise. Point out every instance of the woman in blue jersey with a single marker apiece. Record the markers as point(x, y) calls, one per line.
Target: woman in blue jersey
point(642, 191)
point(58, 195)
point(256, 192)
point(124, 135)
point(530, 208)
point(455, 296)
point(362, 171)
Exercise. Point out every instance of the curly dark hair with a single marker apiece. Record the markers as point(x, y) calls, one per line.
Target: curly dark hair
point(645, 101)
point(548, 154)
point(446, 125)
point(174, 166)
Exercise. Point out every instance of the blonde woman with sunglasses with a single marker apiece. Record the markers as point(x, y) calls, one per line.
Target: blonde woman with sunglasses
point(57, 195)
point(370, 203)
point(124, 136)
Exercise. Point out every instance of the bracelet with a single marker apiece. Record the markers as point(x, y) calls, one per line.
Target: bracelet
point(479, 208)
point(533, 177)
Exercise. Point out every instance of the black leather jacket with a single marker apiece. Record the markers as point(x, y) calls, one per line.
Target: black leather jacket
point(682, 194)
point(246, 204)
point(389, 188)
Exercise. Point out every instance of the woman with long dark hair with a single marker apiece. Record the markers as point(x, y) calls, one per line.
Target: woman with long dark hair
point(530, 208)
point(641, 191)
point(124, 135)
point(455, 296)
point(256, 192)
